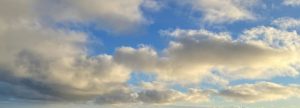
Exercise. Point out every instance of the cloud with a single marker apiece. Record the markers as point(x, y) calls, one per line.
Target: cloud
point(246, 93)
point(44, 63)
point(224, 11)
point(154, 93)
point(55, 63)
point(143, 58)
point(117, 97)
point(21, 92)
point(261, 91)
point(193, 55)
point(159, 93)
point(291, 2)
point(16, 10)
point(39, 62)
point(287, 23)
point(152, 5)
point(255, 54)
point(113, 15)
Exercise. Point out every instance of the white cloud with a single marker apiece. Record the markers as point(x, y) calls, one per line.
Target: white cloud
point(291, 2)
point(194, 54)
point(272, 37)
point(154, 93)
point(152, 5)
point(55, 62)
point(261, 91)
point(258, 53)
point(143, 58)
point(287, 23)
point(40, 62)
point(113, 15)
point(159, 93)
point(224, 11)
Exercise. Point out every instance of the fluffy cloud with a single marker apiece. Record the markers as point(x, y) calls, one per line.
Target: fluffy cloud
point(259, 53)
point(113, 15)
point(262, 91)
point(154, 93)
point(157, 92)
point(39, 62)
point(55, 62)
point(44, 63)
point(143, 58)
point(287, 23)
point(160, 93)
point(291, 2)
point(52, 64)
point(223, 11)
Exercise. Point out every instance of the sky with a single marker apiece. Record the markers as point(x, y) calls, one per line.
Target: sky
point(149, 53)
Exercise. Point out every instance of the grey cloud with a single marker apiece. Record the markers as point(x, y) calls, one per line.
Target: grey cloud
point(54, 63)
point(117, 97)
point(113, 16)
point(262, 91)
point(152, 96)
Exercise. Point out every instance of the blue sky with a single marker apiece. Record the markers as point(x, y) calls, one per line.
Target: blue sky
point(149, 53)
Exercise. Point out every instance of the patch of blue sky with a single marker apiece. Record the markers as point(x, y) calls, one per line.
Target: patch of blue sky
point(137, 77)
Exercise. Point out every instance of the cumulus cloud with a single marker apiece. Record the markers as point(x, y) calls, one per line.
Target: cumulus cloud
point(44, 63)
point(143, 58)
point(154, 93)
point(258, 53)
point(159, 93)
point(287, 23)
point(192, 56)
point(113, 15)
point(39, 62)
point(223, 11)
point(291, 2)
point(261, 91)
point(54, 62)
point(255, 54)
